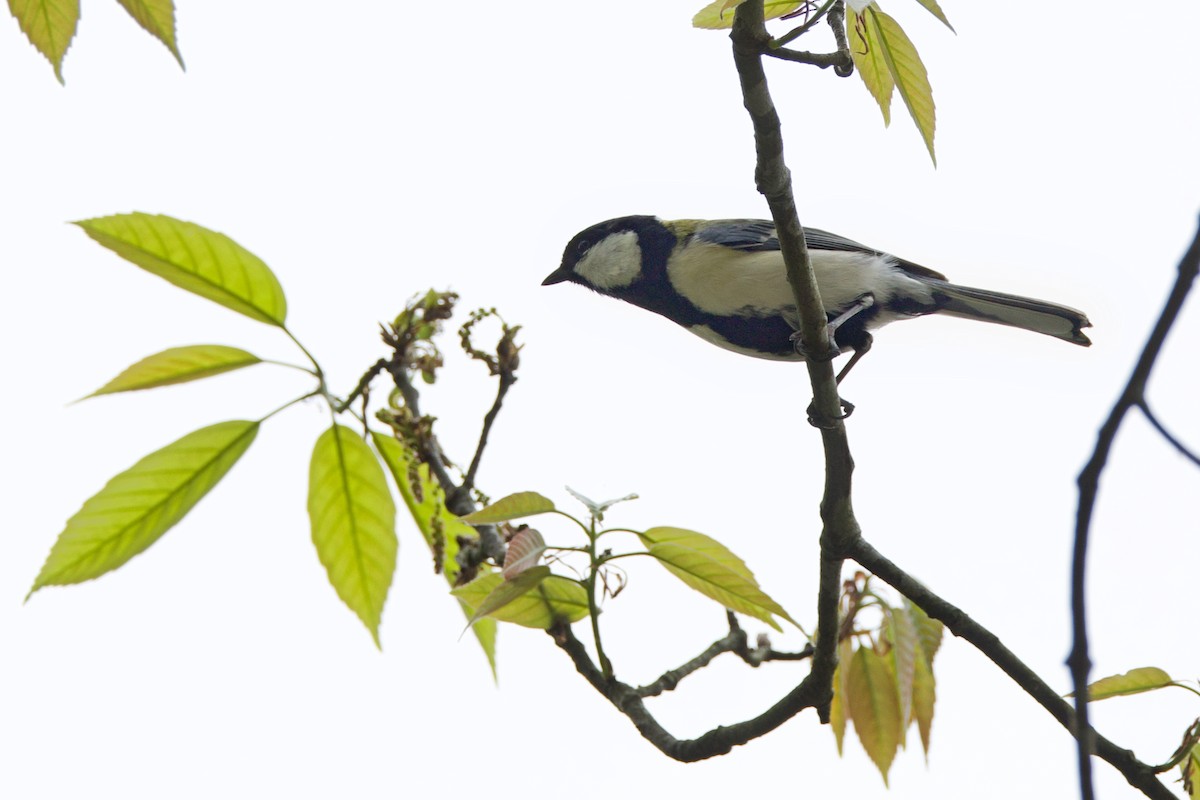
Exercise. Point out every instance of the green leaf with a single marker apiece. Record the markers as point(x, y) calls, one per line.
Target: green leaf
point(869, 62)
point(49, 25)
point(903, 657)
point(710, 568)
point(521, 504)
point(929, 630)
point(872, 704)
point(142, 503)
point(556, 597)
point(1136, 681)
point(933, 8)
point(908, 72)
point(353, 522)
point(194, 258)
point(1190, 769)
point(924, 695)
point(441, 529)
point(718, 15)
point(157, 17)
point(837, 708)
point(510, 590)
point(178, 365)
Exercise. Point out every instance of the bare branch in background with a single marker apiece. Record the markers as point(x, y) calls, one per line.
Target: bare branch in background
point(1133, 396)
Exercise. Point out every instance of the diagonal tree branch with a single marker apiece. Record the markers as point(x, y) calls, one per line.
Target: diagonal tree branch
point(1139, 775)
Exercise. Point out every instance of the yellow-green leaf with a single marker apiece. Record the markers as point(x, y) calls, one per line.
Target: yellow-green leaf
point(157, 17)
point(924, 695)
point(929, 630)
point(515, 506)
point(837, 708)
point(872, 703)
point(933, 8)
point(194, 258)
point(510, 590)
point(441, 529)
point(555, 597)
point(869, 62)
point(1190, 767)
point(353, 522)
point(138, 506)
point(718, 15)
point(1136, 681)
point(903, 657)
point(49, 25)
point(710, 568)
point(912, 81)
point(178, 365)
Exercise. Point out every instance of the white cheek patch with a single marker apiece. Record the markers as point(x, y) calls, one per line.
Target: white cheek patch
point(613, 263)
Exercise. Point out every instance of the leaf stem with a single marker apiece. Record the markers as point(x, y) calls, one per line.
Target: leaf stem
point(320, 373)
point(593, 609)
point(796, 33)
point(289, 366)
point(289, 404)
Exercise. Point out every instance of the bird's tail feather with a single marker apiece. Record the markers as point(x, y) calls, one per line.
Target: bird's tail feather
point(1010, 309)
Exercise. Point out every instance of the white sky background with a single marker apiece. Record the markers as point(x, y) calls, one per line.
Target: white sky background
point(370, 155)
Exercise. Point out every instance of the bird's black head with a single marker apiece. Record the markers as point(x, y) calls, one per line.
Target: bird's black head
point(610, 256)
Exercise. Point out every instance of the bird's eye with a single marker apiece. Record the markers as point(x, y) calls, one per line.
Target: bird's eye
point(581, 248)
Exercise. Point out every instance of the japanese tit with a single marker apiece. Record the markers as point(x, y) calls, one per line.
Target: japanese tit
point(724, 280)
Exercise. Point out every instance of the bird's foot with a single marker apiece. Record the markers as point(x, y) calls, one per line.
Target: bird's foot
point(824, 423)
point(833, 352)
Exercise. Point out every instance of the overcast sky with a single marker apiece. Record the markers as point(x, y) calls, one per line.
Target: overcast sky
point(371, 154)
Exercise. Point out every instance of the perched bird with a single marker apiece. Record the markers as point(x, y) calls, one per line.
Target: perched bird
point(724, 280)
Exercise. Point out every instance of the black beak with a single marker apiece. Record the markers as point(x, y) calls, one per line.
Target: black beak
point(559, 275)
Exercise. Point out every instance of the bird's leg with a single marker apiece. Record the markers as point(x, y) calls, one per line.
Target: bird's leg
point(857, 307)
point(859, 352)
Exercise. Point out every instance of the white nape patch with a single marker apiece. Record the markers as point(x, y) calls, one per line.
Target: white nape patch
point(613, 263)
point(709, 335)
point(725, 282)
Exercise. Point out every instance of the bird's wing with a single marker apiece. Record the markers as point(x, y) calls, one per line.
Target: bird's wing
point(750, 235)
point(755, 235)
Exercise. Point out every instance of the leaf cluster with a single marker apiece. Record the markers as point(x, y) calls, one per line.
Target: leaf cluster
point(884, 680)
point(50, 25)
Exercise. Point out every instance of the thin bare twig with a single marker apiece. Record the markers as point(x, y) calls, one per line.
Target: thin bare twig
point(507, 379)
point(363, 382)
point(735, 642)
point(1089, 486)
point(1166, 434)
point(716, 742)
point(822, 60)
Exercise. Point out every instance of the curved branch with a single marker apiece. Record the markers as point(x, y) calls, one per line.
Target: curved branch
point(1089, 485)
point(1179, 446)
point(716, 742)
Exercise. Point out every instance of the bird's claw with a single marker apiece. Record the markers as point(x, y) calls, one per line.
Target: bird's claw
point(817, 421)
point(833, 352)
